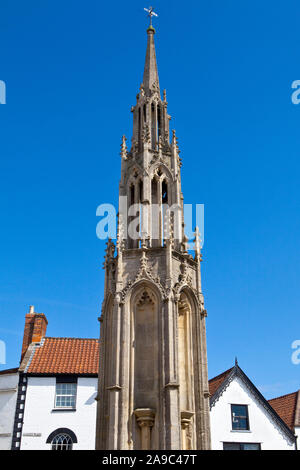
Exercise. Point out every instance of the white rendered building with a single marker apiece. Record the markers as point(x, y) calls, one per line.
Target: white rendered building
point(8, 397)
point(50, 401)
point(242, 419)
point(56, 405)
point(48, 424)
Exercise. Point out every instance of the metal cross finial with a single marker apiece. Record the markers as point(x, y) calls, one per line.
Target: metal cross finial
point(151, 13)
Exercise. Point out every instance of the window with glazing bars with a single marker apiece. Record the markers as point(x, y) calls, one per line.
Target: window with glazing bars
point(62, 442)
point(65, 395)
point(240, 419)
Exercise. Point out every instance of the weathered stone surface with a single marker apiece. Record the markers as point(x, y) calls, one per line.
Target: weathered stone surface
point(153, 367)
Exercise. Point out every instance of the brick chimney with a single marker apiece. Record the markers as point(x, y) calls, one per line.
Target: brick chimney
point(34, 330)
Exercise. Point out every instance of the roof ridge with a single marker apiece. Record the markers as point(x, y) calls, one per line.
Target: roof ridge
point(71, 337)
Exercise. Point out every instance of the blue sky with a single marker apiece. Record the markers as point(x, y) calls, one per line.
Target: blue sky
point(72, 71)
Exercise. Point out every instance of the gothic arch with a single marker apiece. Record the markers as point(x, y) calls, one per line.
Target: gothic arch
point(166, 172)
point(185, 357)
point(141, 284)
point(188, 291)
point(144, 275)
point(145, 305)
point(62, 431)
point(105, 363)
point(132, 169)
point(185, 327)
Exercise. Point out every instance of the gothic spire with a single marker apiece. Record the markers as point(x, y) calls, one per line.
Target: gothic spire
point(150, 80)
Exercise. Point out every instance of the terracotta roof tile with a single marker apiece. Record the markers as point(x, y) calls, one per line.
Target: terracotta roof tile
point(285, 407)
point(215, 383)
point(66, 356)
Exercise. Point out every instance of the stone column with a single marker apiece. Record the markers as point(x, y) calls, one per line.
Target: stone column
point(205, 385)
point(137, 204)
point(146, 201)
point(160, 211)
point(145, 419)
point(201, 382)
point(156, 129)
point(172, 411)
point(114, 387)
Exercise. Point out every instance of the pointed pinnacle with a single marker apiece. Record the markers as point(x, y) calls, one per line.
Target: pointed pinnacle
point(123, 152)
point(150, 80)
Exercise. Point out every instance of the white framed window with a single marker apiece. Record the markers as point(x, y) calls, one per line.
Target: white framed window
point(240, 418)
point(62, 442)
point(62, 439)
point(241, 446)
point(65, 396)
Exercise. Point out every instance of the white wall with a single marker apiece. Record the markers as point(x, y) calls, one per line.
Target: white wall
point(8, 398)
point(263, 429)
point(40, 419)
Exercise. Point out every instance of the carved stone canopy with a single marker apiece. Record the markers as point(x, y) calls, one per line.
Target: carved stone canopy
point(186, 417)
point(145, 416)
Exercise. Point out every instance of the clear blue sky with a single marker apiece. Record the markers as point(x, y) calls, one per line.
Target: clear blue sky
point(72, 71)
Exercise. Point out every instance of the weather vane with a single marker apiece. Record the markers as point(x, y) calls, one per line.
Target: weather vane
point(150, 13)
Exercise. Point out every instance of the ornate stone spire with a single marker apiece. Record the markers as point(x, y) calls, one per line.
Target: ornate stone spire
point(150, 80)
point(153, 369)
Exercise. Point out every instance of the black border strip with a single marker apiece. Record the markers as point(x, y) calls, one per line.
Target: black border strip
point(19, 415)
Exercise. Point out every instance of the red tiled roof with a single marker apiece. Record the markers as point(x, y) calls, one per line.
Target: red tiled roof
point(66, 356)
point(285, 407)
point(215, 383)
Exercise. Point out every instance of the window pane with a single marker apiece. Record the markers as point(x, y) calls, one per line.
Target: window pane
point(62, 442)
point(231, 446)
point(251, 446)
point(240, 446)
point(240, 417)
point(239, 423)
point(66, 395)
point(239, 410)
